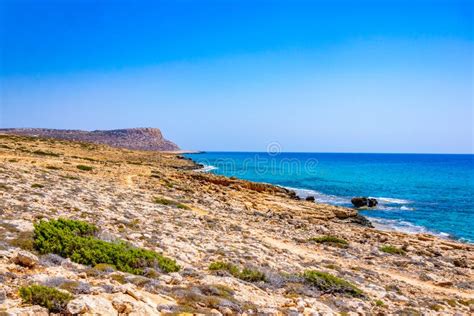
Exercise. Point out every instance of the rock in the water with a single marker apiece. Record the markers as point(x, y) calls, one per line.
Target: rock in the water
point(25, 259)
point(372, 202)
point(310, 198)
point(363, 201)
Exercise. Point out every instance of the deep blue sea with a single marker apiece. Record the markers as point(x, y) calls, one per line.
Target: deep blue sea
point(416, 192)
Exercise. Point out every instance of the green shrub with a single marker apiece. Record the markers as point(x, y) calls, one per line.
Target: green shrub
point(329, 283)
point(52, 299)
point(247, 274)
point(379, 303)
point(75, 240)
point(392, 250)
point(84, 167)
point(330, 240)
point(37, 185)
point(164, 201)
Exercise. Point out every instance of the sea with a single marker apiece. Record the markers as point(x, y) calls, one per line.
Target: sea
point(417, 193)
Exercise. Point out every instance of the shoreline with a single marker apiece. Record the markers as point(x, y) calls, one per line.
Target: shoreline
point(375, 221)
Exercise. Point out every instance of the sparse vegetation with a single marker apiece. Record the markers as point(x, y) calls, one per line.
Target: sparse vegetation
point(164, 201)
point(52, 299)
point(37, 186)
point(75, 240)
point(45, 153)
point(392, 250)
point(23, 240)
point(53, 168)
point(379, 303)
point(247, 274)
point(328, 283)
point(330, 240)
point(201, 299)
point(84, 167)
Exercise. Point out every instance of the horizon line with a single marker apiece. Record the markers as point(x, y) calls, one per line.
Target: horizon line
point(199, 152)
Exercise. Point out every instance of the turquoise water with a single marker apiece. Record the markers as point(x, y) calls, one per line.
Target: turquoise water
point(417, 193)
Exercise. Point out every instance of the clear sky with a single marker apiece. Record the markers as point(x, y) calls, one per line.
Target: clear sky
point(338, 76)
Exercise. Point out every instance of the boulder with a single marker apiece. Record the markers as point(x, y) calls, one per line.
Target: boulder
point(93, 304)
point(76, 307)
point(310, 198)
point(34, 310)
point(25, 259)
point(363, 201)
point(372, 202)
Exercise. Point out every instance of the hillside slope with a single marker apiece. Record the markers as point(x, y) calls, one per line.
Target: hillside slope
point(130, 138)
point(243, 248)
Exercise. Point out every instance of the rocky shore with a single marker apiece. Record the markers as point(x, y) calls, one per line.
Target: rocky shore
point(237, 247)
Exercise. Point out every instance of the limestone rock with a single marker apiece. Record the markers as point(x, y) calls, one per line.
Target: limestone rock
point(94, 304)
point(34, 310)
point(25, 259)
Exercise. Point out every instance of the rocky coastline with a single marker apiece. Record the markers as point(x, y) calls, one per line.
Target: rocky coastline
point(231, 247)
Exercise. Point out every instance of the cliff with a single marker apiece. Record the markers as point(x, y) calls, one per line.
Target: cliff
point(131, 138)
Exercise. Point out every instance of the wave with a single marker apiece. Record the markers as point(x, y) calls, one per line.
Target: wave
point(391, 200)
point(320, 197)
point(206, 169)
point(403, 226)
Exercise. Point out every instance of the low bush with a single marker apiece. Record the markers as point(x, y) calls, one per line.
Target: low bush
point(164, 201)
point(52, 299)
point(392, 250)
point(75, 240)
point(330, 240)
point(37, 186)
point(329, 283)
point(84, 167)
point(247, 274)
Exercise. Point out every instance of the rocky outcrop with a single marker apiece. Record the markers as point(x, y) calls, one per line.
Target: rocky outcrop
point(364, 202)
point(130, 138)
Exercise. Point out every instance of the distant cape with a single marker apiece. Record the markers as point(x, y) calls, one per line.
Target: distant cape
point(131, 138)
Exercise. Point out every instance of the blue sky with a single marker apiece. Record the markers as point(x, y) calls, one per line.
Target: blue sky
point(338, 76)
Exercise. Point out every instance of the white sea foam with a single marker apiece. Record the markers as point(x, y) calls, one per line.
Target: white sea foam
point(206, 169)
point(320, 197)
point(403, 226)
point(391, 200)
